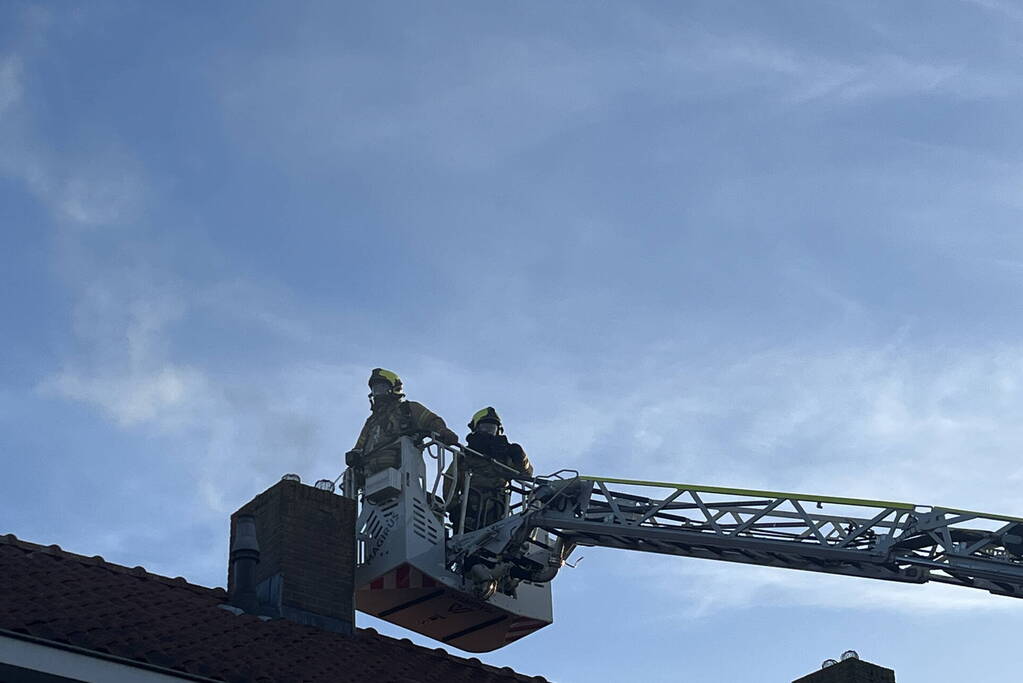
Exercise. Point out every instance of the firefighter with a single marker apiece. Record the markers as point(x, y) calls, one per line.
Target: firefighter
point(391, 416)
point(491, 475)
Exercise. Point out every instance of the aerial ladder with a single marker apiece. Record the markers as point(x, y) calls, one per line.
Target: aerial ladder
point(480, 590)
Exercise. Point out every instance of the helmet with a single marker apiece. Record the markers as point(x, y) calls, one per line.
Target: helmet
point(381, 375)
point(487, 414)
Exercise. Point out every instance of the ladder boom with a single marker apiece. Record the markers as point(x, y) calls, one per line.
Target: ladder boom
point(855, 537)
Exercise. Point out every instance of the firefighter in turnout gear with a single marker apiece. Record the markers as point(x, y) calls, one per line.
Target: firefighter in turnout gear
point(491, 475)
point(391, 417)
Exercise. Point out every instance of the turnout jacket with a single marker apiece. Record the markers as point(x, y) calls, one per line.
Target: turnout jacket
point(487, 475)
point(397, 418)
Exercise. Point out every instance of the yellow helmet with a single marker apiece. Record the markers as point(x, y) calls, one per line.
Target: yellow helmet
point(487, 414)
point(381, 375)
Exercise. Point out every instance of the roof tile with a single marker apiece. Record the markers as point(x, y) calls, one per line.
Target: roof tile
point(59, 596)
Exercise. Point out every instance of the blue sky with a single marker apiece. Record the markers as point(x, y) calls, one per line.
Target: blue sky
point(765, 245)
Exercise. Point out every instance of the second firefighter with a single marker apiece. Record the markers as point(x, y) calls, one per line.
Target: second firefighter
point(487, 495)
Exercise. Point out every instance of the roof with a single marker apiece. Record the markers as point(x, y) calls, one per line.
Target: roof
point(65, 599)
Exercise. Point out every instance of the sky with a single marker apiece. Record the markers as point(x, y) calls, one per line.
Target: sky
point(762, 245)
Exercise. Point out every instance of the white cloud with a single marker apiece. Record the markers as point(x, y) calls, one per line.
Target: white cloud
point(95, 185)
point(743, 61)
point(98, 194)
point(1006, 9)
point(511, 94)
point(138, 397)
point(269, 308)
point(122, 320)
point(234, 432)
point(804, 77)
point(699, 588)
point(10, 83)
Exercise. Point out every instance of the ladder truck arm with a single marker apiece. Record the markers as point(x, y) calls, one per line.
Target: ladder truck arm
point(885, 540)
point(484, 588)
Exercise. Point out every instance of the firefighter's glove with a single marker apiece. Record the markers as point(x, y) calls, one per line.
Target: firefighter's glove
point(353, 458)
point(448, 437)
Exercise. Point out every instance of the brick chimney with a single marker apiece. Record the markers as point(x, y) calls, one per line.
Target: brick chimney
point(305, 545)
point(852, 670)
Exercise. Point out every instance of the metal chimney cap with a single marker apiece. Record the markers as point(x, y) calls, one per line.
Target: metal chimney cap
point(325, 485)
point(245, 534)
point(828, 662)
point(291, 477)
point(850, 654)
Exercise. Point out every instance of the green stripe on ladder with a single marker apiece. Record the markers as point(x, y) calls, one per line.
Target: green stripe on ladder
point(769, 494)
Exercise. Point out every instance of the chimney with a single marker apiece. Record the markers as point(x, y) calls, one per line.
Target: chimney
point(849, 670)
point(302, 567)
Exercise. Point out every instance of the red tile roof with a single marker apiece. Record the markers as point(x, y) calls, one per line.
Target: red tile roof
point(48, 593)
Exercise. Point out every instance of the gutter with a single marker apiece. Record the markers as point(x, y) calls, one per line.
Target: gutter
point(113, 659)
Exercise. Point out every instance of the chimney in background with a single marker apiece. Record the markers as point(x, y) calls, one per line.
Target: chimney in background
point(305, 556)
point(849, 670)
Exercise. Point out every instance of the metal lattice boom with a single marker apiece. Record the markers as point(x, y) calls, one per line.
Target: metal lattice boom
point(874, 539)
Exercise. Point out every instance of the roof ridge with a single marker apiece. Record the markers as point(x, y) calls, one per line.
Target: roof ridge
point(98, 561)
